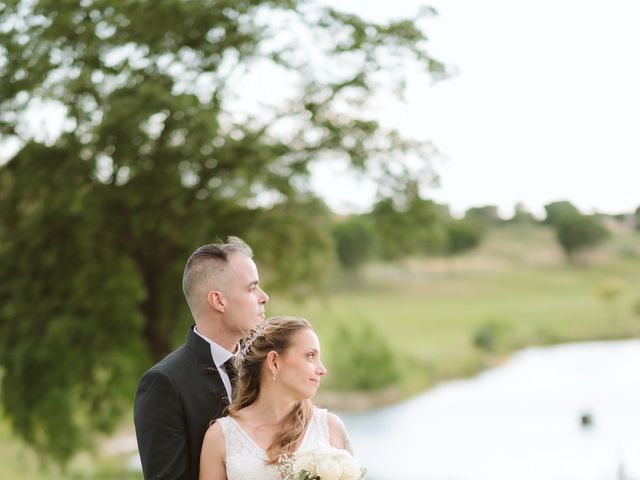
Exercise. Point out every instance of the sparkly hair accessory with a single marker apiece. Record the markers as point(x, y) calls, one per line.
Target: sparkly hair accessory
point(248, 341)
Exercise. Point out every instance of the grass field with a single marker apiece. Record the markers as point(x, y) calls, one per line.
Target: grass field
point(429, 309)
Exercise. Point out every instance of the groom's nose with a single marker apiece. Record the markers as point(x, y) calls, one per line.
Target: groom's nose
point(264, 298)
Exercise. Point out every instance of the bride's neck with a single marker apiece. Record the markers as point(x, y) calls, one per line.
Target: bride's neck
point(268, 410)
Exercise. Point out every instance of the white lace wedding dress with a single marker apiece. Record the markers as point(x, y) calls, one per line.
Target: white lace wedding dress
point(246, 460)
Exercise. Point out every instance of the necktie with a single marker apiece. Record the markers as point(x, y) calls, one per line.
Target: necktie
point(230, 368)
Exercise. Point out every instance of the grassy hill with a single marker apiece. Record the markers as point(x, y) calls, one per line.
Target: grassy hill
point(430, 309)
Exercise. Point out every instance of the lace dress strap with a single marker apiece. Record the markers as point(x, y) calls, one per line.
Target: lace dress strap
point(317, 432)
point(245, 460)
point(236, 440)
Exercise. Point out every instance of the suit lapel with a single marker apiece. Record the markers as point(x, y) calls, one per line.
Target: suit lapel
point(201, 352)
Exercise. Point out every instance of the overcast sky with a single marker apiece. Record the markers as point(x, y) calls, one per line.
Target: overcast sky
point(546, 105)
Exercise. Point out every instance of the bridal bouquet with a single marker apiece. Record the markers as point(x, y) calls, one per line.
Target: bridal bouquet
point(325, 463)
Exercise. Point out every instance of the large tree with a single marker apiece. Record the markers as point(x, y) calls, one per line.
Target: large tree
point(164, 134)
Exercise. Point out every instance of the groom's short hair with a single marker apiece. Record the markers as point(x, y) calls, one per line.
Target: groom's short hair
point(205, 264)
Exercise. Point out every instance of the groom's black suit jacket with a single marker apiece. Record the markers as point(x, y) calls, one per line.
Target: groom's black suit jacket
point(175, 403)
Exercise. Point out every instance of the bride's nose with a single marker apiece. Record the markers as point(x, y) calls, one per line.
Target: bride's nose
point(322, 370)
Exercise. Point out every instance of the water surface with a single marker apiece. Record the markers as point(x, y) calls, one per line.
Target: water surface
point(519, 421)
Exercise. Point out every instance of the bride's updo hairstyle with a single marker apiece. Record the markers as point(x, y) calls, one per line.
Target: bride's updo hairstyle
point(275, 334)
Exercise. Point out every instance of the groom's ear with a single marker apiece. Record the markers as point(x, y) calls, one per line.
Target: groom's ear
point(216, 300)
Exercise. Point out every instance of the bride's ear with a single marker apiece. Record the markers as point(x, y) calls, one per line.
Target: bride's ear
point(272, 362)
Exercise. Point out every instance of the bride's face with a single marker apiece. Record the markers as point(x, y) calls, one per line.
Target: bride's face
point(300, 367)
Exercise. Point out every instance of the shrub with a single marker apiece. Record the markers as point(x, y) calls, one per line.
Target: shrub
point(361, 358)
point(464, 234)
point(492, 336)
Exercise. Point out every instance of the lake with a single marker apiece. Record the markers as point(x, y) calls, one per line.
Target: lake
point(567, 412)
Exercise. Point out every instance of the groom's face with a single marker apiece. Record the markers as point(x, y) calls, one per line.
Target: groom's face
point(244, 299)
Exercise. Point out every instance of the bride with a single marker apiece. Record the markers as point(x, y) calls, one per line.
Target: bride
point(272, 414)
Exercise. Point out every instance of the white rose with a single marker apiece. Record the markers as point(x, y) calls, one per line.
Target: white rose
point(303, 462)
point(350, 469)
point(343, 455)
point(324, 451)
point(329, 469)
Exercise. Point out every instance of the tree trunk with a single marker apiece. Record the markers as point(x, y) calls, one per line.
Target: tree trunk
point(157, 339)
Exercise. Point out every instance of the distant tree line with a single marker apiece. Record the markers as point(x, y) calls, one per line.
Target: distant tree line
point(396, 228)
point(409, 225)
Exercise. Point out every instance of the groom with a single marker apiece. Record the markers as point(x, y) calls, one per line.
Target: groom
point(179, 396)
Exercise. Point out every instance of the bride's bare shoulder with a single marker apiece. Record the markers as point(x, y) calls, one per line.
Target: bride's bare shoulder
point(338, 436)
point(213, 443)
point(212, 457)
point(334, 421)
point(214, 433)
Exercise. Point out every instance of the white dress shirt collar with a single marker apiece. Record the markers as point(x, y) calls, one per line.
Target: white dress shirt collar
point(220, 355)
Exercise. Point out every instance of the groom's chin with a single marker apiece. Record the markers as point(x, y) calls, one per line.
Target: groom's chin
point(252, 325)
point(259, 319)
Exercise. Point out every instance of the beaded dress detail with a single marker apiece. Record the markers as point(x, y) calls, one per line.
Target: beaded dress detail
point(246, 460)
